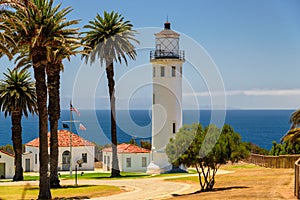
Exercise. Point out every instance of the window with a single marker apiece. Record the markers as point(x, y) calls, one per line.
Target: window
point(153, 71)
point(66, 157)
point(35, 158)
point(162, 71)
point(104, 160)
point(84, 157)
point(128, 162)
point(144, 161)
point(174, 127)
point(108, 163)
point(173, 71)
point(153, 100)
point(180, 71)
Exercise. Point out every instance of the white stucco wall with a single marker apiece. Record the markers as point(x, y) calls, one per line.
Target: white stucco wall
point(77, 155)
point(136, 161)
point(167, 105)
point(8, 162)
point(31, 152)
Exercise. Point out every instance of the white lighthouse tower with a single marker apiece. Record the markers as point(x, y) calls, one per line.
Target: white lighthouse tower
point(167, 60)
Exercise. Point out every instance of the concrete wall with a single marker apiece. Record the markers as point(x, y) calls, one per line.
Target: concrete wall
point(77, 155)
point(136, 161)
point(167, 102)
point(7, 162)
point(32, 153)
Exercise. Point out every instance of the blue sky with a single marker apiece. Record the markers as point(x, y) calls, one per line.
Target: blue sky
point(254, 45)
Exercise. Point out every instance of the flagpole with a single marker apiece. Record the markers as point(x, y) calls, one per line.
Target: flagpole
point(70, 139)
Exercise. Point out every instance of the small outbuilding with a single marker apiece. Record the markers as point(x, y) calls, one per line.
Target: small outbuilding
point(7, 161)
point(131, 158)
point(72, 150)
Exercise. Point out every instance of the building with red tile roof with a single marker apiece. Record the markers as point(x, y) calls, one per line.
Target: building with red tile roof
point(64, 138)
point(131, 158)
point(7, 163)
point(68, 156)
point(128, 148)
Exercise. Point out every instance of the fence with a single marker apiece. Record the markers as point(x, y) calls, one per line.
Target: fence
point(282, 161)
point(297, 179)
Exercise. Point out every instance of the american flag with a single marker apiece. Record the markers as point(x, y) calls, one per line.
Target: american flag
point(74, 109)
point(81, 127)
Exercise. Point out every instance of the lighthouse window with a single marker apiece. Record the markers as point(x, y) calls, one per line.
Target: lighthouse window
point(174, 127)
point(180, 71)
point(162, 71)
point(153, 71)
point(153, 98)
point(173, 71)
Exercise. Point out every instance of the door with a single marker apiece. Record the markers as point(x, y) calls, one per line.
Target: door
point(2, 170)
point(108, 163)
point(27, 165)
point(66, 160)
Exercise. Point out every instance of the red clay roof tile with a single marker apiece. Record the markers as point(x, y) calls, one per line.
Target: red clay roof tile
point(63, 140)
point(9, 154)
point(128, 148)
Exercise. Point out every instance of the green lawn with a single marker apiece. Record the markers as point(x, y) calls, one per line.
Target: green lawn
point(66, 192)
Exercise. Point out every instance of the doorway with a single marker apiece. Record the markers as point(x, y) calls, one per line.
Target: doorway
point(66, 160)
point(27, 165)
point(2, 170)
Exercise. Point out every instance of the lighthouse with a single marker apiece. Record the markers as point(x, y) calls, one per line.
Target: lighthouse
point(166, 60)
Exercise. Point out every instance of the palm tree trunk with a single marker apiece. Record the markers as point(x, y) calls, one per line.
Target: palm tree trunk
point(53, 75)
point(39, 66)
point(111, 85)
point(17, 144)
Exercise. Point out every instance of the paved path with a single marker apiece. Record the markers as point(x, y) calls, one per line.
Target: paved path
point(146, 188)
point(135, 189)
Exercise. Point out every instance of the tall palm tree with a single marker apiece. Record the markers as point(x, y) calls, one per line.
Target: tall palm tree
point(109, 39)
point(53, 70)
point(37, 30)
point(17, 98)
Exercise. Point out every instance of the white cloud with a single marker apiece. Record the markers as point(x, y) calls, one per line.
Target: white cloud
point(254, 92)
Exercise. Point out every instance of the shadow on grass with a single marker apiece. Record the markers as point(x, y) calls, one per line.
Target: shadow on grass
point(60, 188)
point(213, 190)
point(69, 198)
point(121, 177)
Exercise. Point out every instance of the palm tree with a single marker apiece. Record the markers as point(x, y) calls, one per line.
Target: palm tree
point(295, 119)
point(109, 39)
point(53, 74)
point(293, 135)
point(17, 98)
point(37, 30)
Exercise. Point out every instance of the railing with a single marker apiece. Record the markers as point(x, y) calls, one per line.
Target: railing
point(282, 161)
point(160, 54)
point(297, 179)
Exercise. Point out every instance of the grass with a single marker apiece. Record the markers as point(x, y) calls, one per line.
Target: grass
point(94, 175)
point(101, 175)
point(248, 182)
point(66, 192)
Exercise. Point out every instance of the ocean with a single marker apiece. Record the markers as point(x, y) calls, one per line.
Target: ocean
point(260, 127)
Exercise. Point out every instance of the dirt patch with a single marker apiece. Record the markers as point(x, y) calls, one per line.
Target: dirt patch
point(249, 183)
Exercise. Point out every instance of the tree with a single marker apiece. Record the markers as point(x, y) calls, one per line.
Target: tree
point(293, 135)
point(295, 119)
point(185, 149)
point(37, 31)
point(109, 39)
point(145, 144)
point(53, 69)
point(17, 98)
